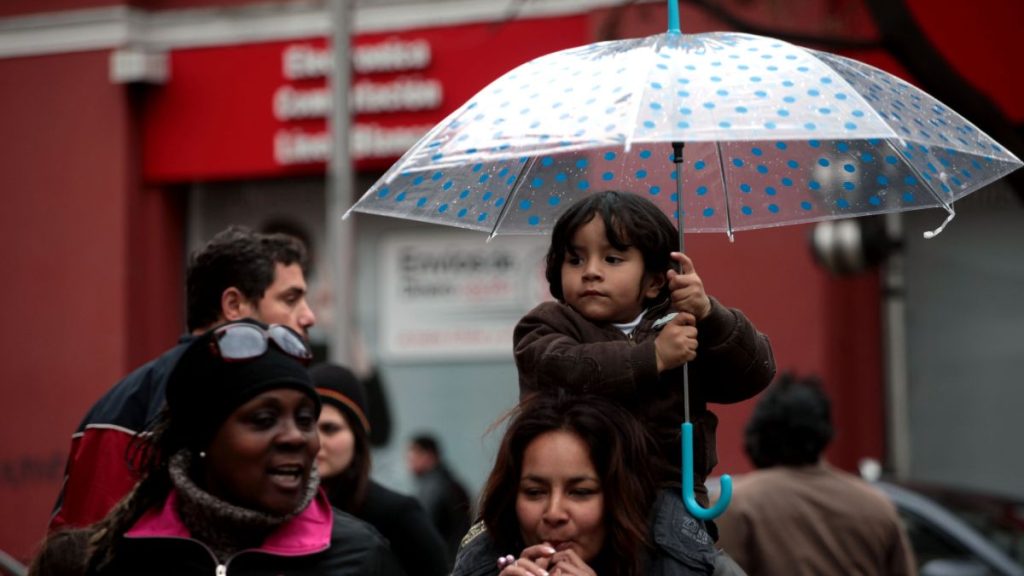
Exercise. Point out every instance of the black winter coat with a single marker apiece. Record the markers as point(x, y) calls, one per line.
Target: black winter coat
point(352, 548)
point(403, 521)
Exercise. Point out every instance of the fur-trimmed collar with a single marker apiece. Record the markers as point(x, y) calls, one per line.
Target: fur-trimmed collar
point(224, 527)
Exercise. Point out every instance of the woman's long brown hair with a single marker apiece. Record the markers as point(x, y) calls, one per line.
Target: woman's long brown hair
point(619, 448)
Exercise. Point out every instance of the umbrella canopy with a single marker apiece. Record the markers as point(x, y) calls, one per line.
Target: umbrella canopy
point(775, 134)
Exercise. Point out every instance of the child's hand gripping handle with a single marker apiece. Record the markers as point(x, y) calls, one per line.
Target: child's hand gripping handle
point(689, 500)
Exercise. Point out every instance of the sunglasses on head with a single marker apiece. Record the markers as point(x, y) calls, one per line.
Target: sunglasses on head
point(238, 342)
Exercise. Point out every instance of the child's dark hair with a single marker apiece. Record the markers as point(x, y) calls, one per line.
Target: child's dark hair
point(630, 221)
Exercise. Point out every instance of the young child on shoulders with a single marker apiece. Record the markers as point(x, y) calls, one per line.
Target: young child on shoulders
point(630, 312)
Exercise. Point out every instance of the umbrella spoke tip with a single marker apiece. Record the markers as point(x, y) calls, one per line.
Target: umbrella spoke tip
point(929, 234)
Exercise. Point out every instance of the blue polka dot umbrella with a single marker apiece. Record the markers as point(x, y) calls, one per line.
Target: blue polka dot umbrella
point(774, 134)
point(724, 131)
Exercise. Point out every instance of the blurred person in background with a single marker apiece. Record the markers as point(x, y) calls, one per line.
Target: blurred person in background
point(344, 463)
point(442, 495)
point(228, 474)
point(238, 274)
point(797, 514)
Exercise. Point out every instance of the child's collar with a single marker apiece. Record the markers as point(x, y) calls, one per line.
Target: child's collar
point(663, 320)
point(628, 327)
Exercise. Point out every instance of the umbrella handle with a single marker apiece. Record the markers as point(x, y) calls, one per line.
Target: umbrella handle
point(689, 500)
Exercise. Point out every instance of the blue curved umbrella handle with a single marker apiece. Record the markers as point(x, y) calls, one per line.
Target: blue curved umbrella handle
point(689, 500)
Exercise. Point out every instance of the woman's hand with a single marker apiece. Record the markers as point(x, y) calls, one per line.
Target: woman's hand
point(568, 563)
point(532, 562)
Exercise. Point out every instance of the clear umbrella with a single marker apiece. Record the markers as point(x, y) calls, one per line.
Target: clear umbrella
point(774, 134)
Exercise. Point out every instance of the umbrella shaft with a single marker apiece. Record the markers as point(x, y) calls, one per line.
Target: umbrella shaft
point(686, 392)
point(677, 159)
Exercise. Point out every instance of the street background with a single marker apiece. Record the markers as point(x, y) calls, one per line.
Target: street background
point(134, 131)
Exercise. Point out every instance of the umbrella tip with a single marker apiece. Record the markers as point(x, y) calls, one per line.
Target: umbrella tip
point(929, 234)
point(673, 16)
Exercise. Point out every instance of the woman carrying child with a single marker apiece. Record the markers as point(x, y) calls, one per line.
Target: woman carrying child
point(569, 496)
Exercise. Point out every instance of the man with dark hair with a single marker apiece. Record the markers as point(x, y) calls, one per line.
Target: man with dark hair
point(798, 515)
point(444, 498)
point(238, 274)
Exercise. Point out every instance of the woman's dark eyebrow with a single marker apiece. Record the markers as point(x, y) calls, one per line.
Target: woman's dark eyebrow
point(270, 402)
point(573, 480)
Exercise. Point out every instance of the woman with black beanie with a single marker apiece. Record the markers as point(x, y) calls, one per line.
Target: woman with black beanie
point(228, 482)
point(344, 466)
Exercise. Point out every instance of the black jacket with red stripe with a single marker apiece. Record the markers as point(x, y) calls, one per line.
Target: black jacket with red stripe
point(98, 473)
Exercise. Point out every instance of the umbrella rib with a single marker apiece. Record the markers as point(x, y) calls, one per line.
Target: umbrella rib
point(631, 134)
point(725, 191)
point(920, 178)
point(527, 166)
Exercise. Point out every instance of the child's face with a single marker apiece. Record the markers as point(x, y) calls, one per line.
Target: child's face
point(602, 283)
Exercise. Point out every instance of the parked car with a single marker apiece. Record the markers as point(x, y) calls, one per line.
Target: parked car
point(959, 533)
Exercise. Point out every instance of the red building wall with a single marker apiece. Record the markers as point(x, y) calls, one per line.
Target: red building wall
point(982, 46)
point(817, 325)
point(89, 259)
point(64, 224)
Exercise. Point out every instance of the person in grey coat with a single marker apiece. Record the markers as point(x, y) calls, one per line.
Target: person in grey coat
point(445, 499)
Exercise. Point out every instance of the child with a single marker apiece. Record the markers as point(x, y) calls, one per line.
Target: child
point(612, 332)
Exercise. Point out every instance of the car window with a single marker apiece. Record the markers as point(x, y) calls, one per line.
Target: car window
point(929, 543)
point(1002, 523)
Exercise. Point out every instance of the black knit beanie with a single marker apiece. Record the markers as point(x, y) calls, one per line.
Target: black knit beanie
point(203, 389)
point(340, 388)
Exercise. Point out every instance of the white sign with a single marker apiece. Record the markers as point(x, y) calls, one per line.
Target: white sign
point(297, 145)
point(391, 55)
point(454, 296)
point(368, 141)
point(305, 61)
point(367, 97)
